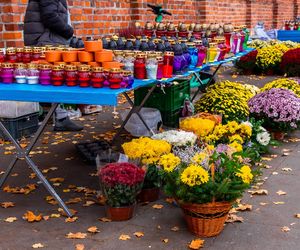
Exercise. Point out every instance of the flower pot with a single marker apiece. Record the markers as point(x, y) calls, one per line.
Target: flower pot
point(85, 57)
point(278, 135)
point(53, 56)
point(149, 195)
point(69, 56)
point(104, 56)
point(93, 46)
point(120, 213)
point(94, 64)
point(205, 220)
point(111, 65)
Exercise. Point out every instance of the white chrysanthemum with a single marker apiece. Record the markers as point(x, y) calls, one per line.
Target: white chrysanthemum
point(248, 124)
point(177, 138)
point(263, 138)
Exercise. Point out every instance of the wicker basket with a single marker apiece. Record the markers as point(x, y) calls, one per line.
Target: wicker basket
point(206, 220)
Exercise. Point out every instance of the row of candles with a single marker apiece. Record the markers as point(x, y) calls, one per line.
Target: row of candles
point(69, 75)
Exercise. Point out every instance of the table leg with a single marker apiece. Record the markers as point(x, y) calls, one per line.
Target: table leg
point(24, 154)
point(135, 110)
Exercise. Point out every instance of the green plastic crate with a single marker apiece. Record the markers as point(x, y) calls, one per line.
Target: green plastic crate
point(171, 118)
point(169, 98)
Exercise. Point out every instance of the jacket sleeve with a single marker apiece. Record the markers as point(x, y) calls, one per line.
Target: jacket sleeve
point(51, 19)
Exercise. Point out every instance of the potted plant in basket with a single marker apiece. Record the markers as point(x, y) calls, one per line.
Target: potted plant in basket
point(205, 182)
point(121, 183)
point(279, 109)
point(147, 152)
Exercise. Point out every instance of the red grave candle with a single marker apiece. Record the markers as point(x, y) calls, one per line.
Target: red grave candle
point(97, 77)
point(57, 75)
point(168, 64)
point(84, 76)
point(140, 66)
point(115, 78)
point(11, 55)
point(71, 75)
point(19, 52)
point(27, 55)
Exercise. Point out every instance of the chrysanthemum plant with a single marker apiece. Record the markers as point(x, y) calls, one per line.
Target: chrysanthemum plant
point(206, 175)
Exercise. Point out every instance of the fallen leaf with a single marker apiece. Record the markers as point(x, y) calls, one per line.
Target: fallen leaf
point(280, 192)
point(297, 216)
point(15, 175)
point(7, 204)
point(57, 179)
point(165, 240)
point(88, 203)
point(46, 217)
point(124, 237)
point(170, 200)
point(67, 190)
point(79, 247)
point(286, 154)
point(196, 244)
point(55, 215)
point(263, 203)
point(93, 230)
point(10, 219)
point(286, 169)
point(74, 200)
point(175, 229)
point(244, 207)
point(258, 192)
point(158, 227)
point(266, 159)
point(31, 217)
point(32, 175)
point(2, 172)
point(293, 223)
point(278, 202)
point(37, 245)
point(77, 235)
point(104, 219)
point(71, 219)
point(234, 218)
point(285, 229)
point(138, 234)
point(63, 213)
point(157, 206)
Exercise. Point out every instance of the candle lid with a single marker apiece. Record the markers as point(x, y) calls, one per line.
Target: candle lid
point(45, 66)
point(158, 53)
point(198, 42)
point(140, 55)
point(32, 66)
point(27, 49)
point(97, 69)
point(151, 55)
point(118, 52)
point(20, 49)
point(56, 67)
point(190, 44)
point(50, 48)
point(20, 65)
point(169, 53)
point(7, 65)
point(130, 53)
point(10, 51)
point(84, 68)
point(115, 70)
point(70, 67)
point(127, 72)
point(37, 50)
point(159, 58)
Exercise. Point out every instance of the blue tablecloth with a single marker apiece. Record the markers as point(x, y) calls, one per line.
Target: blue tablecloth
point(77, 95)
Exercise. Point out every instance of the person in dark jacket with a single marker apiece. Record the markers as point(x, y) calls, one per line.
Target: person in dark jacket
point(47, 22)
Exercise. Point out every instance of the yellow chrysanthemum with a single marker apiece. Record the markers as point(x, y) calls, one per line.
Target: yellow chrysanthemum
point(246, 174)
point(200, 126)
point(237, 147)
point(169, 162)
point(237, 138)
point(199, 158)
point(232, 126)
point(194, 175)
point(246, 130)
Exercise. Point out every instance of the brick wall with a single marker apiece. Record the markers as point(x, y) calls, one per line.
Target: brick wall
point(99, 17)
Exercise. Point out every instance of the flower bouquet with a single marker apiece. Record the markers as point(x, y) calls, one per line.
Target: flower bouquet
point(147, 152)
point(205, 182)
point(121, 183)
point(177, 138)
point(283, 83)
point(200, 126)
point(247, 63)
point(279, 109)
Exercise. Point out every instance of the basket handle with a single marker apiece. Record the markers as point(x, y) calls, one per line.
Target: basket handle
point(212, 170)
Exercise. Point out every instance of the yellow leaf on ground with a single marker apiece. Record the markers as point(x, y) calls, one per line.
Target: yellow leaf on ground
point(79, 247)
point(77, 235)
point(10, 219)
point(170, 200)
point(74, 200)
point(67, 190)
point(234, 218)
point(278, 202)
point(258, 192)
point(263, 203)
point(175, 229)
point(138, 234)
point(88, 203)
point(38, 245)
point(196, 244)
point(244, 207)
point(7, 204)
point(124, 237)
point(280, 192)
point(104, 219)
point(15, 175)
point(55, 215)
point(31, 217)
point(285, 229)
point(71, 219)
point(46, 217)
point(57, 179)
point(157, 206)
point(287, 169)
point(63, 213)
point(275, 173)
point(93, 229)
point(165, 240)
point(297, 216)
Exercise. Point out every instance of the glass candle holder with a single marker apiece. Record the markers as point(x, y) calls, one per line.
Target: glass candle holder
point(97, 77)
point(151, 66)
point(20, 73)
point(201, 53)
point(33, 73)
point(11, 55)
point(71, 75)
point(118, 56)
point(129, 61)
point(36, 55)
point(7, 73)
point(27, 55)
point(128, 79)
point(227, 36)
point(57, 75)
point(2, 55)
point(140, 66)
point(212, 52)
point(19, 52)
point(223, 49)
point(115, 78)
point(45, 74)
point(168, 64)
point(234, 43)
point(193, 51)
point(84, 76)
point(160, 67)
point(106, 75)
